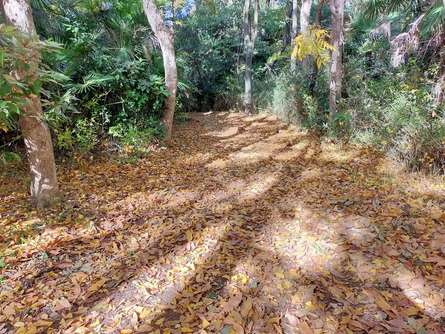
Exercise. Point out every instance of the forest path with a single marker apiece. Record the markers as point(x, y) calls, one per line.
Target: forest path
point(243, 225)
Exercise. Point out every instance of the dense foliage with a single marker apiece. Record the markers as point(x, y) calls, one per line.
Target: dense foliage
point(106, 73)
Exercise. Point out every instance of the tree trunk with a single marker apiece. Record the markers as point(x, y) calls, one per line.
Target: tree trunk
point(250, 31)
point(314, 69)
point(305, 14)
point(39, 147)
point(336, 68)
point(173, 13)
point(319, 12)
point(165, 37)
point(439, 87)
point(294, 32)
point(287, 36)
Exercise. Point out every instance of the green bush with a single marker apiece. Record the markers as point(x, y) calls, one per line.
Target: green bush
point(7, 157)
point(85, 135)
point(135, 137)
point(396, 113)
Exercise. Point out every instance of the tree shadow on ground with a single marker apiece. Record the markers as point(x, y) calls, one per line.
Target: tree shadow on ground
point(261, 234)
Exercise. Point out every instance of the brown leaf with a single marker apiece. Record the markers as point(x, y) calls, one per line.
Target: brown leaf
point(304, 327)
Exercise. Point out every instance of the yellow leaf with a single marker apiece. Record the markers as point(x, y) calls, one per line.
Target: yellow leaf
point(204, 323)
point(126, 331)
point(279, 274)
point(97, 285)
point(144, 313)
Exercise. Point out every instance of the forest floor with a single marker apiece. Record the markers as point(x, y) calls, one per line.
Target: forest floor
point(242, 225)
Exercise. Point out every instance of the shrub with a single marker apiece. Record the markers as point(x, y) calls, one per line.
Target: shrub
point(396, 113)
point(85, 135)
point(135, 137)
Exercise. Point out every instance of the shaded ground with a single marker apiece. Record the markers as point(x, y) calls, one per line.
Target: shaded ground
point(244, 225)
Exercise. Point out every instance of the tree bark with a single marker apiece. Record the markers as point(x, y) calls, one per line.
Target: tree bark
point(314, 69)
point(305, 13)
point(294, 32)
point(250, 30)
point(336, 68)
point(37, 138)
point(165, 37)
point(319, 12)
point(439, 87)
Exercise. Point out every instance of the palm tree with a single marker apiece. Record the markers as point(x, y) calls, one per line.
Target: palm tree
point(428, 24)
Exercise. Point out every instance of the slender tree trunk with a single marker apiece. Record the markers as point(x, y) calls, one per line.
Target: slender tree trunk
point(305, 13)
point(250, 30)
point(439, 87)
point(314, 69)
point(272, 4)
point(294, 32)
point(165, 37)
point(319, 13)
point(173, 13)
point(39, 148)
point(336, 68)
point(287, 36)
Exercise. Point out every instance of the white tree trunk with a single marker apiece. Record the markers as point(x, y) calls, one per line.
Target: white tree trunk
point(44, 187)
point(336, 68)
point(250, 30)
point(305, 14)
point(165, 37)
point(439, 87)
point(294, 32)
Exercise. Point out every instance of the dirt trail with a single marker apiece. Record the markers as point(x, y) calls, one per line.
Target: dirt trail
point(243, 225)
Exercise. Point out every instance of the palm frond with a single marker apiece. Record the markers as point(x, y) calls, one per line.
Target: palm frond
point(92, 81)
point(374, 8)
point(434, 20)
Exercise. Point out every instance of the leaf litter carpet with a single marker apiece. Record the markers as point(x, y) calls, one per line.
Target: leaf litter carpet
point(243, 225)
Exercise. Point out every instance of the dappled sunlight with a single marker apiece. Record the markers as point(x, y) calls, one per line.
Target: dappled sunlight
point(259, 230)
point(428, 298)
point(142, 201)
point(331, 152)
point(224, 133)
point(415, 183)
point(260, 185)
point(256, 152)
point(293, 152)
point(145, 294)
point(312, 253)
point(195, 159)
point(278, 146)
point(311, 174)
